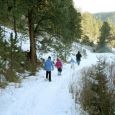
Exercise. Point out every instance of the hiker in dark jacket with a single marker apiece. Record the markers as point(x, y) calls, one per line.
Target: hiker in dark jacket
point(48, 66)
point(78, 57)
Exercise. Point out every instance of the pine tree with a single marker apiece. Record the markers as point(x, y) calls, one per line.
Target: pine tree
point(105, 36)
point(90, 27)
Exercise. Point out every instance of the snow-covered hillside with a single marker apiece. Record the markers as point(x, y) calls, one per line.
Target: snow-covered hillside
point(23, 42)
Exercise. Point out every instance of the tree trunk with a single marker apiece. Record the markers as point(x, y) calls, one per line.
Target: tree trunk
point(14, 23)
point(32, 38)
point(14, 20)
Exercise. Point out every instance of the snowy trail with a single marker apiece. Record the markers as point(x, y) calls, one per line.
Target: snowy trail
point(40, 97)
point(37, 96)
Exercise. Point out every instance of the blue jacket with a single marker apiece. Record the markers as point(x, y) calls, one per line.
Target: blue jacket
point(48, 65)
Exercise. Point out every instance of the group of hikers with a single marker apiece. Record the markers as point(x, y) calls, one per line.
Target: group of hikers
point(49, 65)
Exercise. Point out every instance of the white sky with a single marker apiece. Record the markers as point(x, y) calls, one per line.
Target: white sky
point(94, 6)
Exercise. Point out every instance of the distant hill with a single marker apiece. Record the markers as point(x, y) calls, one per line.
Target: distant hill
point(105, 16)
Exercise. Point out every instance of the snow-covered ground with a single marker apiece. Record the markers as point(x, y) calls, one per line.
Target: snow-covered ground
point(37, 96)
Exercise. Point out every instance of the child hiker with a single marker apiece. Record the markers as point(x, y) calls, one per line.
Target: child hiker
point(48, 66)
point(58, 65)
point(72, 62)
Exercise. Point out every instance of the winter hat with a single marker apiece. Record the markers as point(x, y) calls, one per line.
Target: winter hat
point(49, 57)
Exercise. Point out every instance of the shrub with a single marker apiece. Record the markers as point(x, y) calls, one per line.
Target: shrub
point(11, 76)
point(3, 84)
point(96, 91)
point(96, 97)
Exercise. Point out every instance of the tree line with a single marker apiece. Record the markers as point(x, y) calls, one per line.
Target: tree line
point(94, 30)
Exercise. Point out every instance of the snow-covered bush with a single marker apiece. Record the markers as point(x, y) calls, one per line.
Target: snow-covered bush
point(96, 96)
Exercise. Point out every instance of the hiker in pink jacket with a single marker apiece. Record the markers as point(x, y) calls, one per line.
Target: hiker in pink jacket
point(58, 64)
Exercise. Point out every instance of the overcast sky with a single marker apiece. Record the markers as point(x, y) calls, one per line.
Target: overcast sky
point(94, 6)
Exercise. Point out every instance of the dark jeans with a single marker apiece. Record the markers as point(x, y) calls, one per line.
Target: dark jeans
point(48, 73)
point(60, 69)
point(78, 62)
